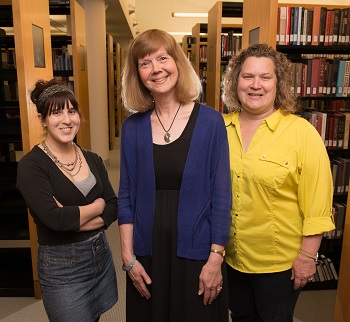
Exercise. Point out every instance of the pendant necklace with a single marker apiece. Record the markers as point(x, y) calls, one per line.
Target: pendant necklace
point(66, 167)
point(167, 135)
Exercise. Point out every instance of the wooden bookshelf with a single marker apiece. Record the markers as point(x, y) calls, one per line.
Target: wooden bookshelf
point(111, 92)
point(267, 22)
point(187, 45)
point(214, 61)
point(198, 59)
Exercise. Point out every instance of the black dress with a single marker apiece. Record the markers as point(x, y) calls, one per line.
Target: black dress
point(175, 280)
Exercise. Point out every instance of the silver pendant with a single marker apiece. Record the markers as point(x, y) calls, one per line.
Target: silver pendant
point(167, 137)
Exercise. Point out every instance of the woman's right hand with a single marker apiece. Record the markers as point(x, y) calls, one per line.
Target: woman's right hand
point(140, 279)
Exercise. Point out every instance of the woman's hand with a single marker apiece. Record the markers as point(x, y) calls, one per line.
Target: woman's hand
point(303, 269)
point(210, 279)
point(140, 279)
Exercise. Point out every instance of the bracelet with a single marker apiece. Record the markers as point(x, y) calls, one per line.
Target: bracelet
point(128, 268)
point(307, 255)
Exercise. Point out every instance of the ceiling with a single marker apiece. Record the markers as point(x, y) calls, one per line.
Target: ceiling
point(126, 18)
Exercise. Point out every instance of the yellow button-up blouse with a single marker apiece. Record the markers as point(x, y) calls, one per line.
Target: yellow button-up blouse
point(281, 191)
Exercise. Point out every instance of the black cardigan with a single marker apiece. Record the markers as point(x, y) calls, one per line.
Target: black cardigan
point(39, 180)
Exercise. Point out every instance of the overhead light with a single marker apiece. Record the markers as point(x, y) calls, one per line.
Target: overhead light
point(179, 33)
point(190, 14)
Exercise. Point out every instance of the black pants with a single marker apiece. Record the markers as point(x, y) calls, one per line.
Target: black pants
point(261, 297)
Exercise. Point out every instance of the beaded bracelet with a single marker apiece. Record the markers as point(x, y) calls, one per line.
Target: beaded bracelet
point(128, 268)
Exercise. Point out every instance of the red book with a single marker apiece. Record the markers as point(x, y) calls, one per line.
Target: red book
point(315, 77)
point(321, 83)
point(315, 40)
point(328, 28)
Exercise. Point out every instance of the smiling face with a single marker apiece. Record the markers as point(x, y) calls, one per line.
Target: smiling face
point(257, 86)
point(62, 124)
point(158, 72)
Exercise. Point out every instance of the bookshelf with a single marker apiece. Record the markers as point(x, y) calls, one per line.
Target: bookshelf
point(269, 24)
point(111, 90)
point(199, 54)
point(187, 45)
point(215, 60)
point(20, 128)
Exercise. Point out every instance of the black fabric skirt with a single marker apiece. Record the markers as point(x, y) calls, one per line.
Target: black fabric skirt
point(175, 281)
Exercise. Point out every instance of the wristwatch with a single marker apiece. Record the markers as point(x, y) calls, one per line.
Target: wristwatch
point(220, 252)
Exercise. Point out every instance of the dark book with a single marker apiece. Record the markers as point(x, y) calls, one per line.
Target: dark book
point(323, 15)
point(340, 209)
point(335, 69)
point(327, 267)
point(336, 27)
point(327, 28)
point(331, 265)
point(321, 80)
point(341, 130)
point(310, 17)
point(315, 76)
point(331, 27)
point(343, 26)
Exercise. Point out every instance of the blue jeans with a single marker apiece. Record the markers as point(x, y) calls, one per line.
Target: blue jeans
point(261, 297)
point(78, 281)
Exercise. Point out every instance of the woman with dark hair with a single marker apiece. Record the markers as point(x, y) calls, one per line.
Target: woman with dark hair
point(175, 192)
point(72, 202)
point(282, 188)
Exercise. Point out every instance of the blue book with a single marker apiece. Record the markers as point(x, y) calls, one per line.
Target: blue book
point(340, 78)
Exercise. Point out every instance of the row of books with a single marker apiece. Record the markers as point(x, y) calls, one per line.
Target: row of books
point(333, 127)
point(62, 58)
point(230, 44)
point(339, 213)
point(325, 270)
point(340, 168)
point(9, 90)
point(324, 104)
point(321, 77)
point(313, 26)
point(8, 58)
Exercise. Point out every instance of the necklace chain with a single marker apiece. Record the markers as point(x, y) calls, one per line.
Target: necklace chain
point(167, 135)
point(66, 167)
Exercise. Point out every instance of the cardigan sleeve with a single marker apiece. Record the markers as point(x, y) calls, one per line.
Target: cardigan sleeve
point(33, 181)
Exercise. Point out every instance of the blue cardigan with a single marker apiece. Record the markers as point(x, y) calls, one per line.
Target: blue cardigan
point(205, 194)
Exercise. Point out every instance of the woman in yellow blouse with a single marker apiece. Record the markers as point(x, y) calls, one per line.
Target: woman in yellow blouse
point(281, 188)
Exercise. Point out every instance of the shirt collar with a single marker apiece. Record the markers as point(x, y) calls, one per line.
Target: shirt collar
point(272, 120)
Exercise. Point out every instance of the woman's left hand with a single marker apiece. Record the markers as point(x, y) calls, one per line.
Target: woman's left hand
point(210, 279)
point(302, 271)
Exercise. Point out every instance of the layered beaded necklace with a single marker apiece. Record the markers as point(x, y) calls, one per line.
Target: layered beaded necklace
point(167, 135)
point(66, 167)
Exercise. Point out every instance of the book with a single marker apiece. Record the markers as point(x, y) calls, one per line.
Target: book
point(315, 40)
point(327, 267)
point(298, 78)
point(282, 27)
point(339, 223)
point(340, 78)
point(331, 265)
point(328, 82)
point(335, 68)
point(308, 77)
point(336, 27)
point(341, 130)
point(331, 27)
point(315, 72)
point(304, 27)
point(346, 83)
point(346, 130)
point(327, 28)
point(323, 123)
point(288, 34)
point(310, 17)
point(343, 26)
point(322, 31)
point(321, 80)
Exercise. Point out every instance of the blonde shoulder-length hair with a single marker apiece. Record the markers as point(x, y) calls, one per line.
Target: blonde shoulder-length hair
point(285, 99)
point(136, 97)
